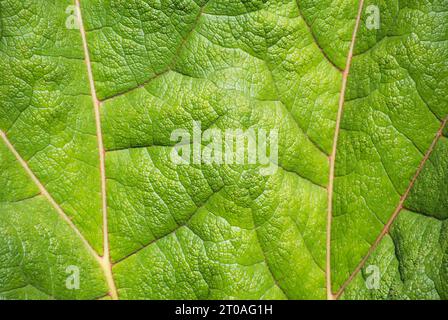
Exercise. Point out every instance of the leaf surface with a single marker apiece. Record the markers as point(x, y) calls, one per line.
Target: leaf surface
point(86, 116)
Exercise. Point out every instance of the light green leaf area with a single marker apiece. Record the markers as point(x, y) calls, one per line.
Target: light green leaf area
point(117, 80)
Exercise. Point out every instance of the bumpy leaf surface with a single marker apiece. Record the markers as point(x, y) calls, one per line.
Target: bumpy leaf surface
point(91, 90)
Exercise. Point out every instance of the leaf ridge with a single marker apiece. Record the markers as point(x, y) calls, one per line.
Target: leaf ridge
point(179, 226)
point(171, 64)
point(313, 35)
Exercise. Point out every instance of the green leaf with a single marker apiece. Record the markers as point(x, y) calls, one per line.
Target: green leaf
point(412, 259)
point(93, 207)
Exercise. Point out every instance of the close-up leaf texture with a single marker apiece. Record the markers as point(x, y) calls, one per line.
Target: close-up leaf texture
point(91, 90)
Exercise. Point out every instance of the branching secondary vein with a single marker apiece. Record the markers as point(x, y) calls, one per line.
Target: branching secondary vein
point(44, 192)
point(398, 209)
